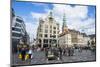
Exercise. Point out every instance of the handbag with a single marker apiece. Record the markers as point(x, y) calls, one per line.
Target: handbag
point(20, 56)
point(26, 56)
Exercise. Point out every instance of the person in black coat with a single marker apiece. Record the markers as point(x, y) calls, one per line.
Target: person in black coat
point(23, 53)
point(69, 51)
point(60, 50)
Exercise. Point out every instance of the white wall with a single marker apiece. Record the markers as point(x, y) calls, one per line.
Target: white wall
point(65, 39)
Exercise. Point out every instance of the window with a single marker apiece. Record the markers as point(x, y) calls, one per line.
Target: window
point(16, 29)
point(39, 40)
point(52, 36)
point(46, 31)
point(54, 32)
point(50, 31)
point(40, 35)
point(17, 25)
point(16, 34)
point(40, 30)
point(18, 20)
point(55, 41)
point(45, 35)
point(40, 26)
point(54, 27)
point(51, 27)
point(50, 41)
point(45, 41)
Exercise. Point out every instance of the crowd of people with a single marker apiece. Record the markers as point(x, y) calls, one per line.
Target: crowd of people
point(24, 52)
point(65, 51)
point(60, 52)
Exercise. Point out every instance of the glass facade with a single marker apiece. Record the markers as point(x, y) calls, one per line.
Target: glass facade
point(16, 29)
point(16, 34)
point(17, 25)
point(19, 20)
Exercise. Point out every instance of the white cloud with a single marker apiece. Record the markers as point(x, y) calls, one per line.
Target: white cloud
point(71, 12)
point(80, 24)
point(91, 30)
point(38, 15)
point(76, 18)
point(31, 29)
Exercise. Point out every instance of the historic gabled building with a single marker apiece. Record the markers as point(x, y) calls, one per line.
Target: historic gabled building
point(71, 37)
point(47, 32)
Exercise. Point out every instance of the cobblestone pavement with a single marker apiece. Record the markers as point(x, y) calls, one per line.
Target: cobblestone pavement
point(39, 58)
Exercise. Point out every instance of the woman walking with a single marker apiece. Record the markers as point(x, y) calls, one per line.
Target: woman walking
point(30, 53)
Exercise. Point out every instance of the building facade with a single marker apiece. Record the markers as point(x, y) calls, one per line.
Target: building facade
point(74, 38)
point(47, 32)
point(18, 31)
point(92, 40)
point(86, 39)
point(65, 36)
point(71, 37)
point(65, 40)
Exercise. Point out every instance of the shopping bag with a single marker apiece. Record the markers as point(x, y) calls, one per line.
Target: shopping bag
point(26, 56)
point(20, 56)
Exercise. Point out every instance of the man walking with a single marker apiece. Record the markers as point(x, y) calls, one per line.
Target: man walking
point(60, 51)
point(30, 53)
point(23, 53)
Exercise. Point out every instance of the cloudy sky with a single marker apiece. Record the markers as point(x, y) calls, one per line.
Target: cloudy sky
point(78, 17)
